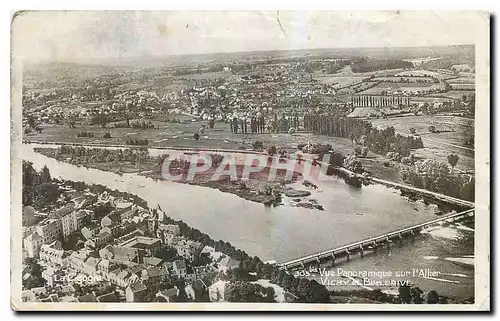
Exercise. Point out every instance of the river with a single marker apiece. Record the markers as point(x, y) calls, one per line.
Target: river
point(284, 232)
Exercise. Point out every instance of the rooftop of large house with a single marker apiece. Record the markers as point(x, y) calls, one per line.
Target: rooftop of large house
point(179, 265)
point(154, 261)
point(63, 211)
point(140, 242)
point(137, 287)
point(87, 298)
point(229, 262)
point(110, 297)
point(170, 292)
point(47, 222)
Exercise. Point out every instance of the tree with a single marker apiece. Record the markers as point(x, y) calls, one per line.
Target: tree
point(167, 253)
point(453, 160)
point(416, 295)
point(404, 293)
point(270, 294)
point(45, 175)
point(258, 146)
point(107, 135)
point(31, 121)
point(412, 130)
point(100, 120)
point(432, 129)
point(271, 150)
point(432, 297)
point(46, 194)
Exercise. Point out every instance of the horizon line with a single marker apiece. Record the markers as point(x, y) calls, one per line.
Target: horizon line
point(84, 60)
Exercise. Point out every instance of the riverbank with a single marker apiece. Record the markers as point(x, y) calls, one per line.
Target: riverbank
point(257, 188)
point(275, 233)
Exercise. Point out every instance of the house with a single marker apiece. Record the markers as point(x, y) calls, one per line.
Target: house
point(188, 249)
point(66, 289)
point(49, 229)
point(118, 254)
point(148, 245)
point(105, 266)
point(77, 259)
point(40, 291)
point(32, 244)
point(53, 297)
point(109, 297)
point(179, 268)
point(68, 299)
point(201, 272)
point(114, 229)
point(138, 270)
point(110, 219)
point(28, 296)
point(128, 236)
point(29, 217)
point(135, 292)
point(216, 291)
point(50, 299)
point(166, 232)
point(90, 231)
point(106, 252)
point(124, 211)
point(153, 261)
point(125, 255)
point(68, 218)
point(169, 295)
point(196, 289)
point(227, 263)
point(53, 254)
point(90, 266)
point(155, 275)
point(83, 218)
point(99, 240)
point(87, 298)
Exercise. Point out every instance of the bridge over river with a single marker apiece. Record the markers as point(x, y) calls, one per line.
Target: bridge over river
point(371, 243)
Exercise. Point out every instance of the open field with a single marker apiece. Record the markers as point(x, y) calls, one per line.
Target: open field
point(419, 73)
point(357, 88)
point(462, 80)
point(463, 67)
point(431, 99)
point(347, 71)
point(455, 94)
point(220, 137)
point(386, 86)
point(467, 74)
point(175, 134)
point(339, 82)
point(462, 86)
point(409, 79)
point(454, 131)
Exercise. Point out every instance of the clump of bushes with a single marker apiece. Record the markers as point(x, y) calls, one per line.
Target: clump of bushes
point(258, 146)
point(137, 142)
point(271, 150)
point(85, 134)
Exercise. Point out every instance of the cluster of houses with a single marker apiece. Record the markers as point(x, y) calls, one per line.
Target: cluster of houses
point(121, 249)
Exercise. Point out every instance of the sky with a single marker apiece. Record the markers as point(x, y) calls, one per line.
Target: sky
point(76, 35)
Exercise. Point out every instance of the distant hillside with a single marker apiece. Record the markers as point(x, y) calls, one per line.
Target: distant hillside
point(397, 53)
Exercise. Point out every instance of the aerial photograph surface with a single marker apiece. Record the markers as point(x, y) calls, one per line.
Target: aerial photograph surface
point(186, 157)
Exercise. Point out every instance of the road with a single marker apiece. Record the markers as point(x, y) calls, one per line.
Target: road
point(425, 139)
